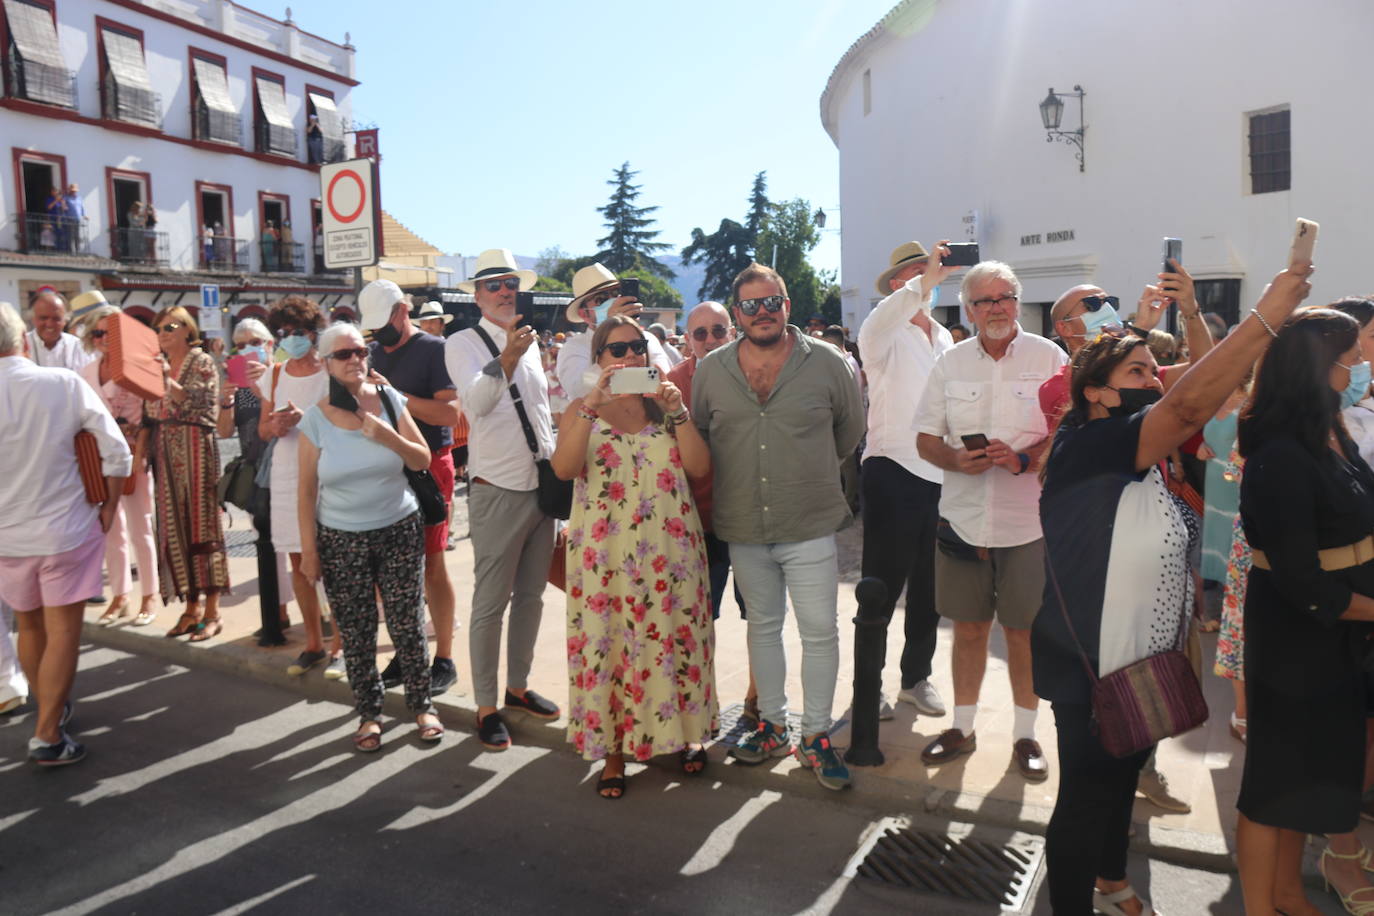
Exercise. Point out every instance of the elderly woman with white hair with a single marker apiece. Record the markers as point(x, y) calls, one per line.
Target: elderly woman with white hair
point(361, 529)
point(52, 541)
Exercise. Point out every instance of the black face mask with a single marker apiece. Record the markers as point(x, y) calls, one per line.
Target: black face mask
point(341, 397)
point(387, 335)
point(1133, 400)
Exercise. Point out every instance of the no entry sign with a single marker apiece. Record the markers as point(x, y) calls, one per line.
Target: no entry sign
point(349, 213)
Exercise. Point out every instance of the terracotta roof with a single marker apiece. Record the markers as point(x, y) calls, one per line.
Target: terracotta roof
point(400, 242)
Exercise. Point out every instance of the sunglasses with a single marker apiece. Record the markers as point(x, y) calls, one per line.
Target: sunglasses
point(348, 353)
point(751, 307)
point(1094, 303)
point(511, 283)
point(620, 347)
point(168, 328)
point(718, 331)
point(97, 333)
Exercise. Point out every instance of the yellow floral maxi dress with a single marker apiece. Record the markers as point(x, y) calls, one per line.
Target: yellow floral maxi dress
point(641, 642)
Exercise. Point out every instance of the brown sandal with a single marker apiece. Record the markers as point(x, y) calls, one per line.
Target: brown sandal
point(186, 623)
point(207, 629)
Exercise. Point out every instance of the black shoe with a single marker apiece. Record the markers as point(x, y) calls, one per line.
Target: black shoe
point(533, 704)
point(492, 732)
point(442, 676)
point(391, 674)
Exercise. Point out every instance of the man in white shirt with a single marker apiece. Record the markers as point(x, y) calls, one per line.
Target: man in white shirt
point(49, 343)
point(594, 298)
point(512, 540)
point(52, 541)
point(899, 342)
point(990, 559)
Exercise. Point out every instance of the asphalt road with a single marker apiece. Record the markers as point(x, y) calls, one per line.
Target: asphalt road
point(204, 793)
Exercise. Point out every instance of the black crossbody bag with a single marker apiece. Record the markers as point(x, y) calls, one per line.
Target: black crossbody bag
point(432, 508)
point(554, 496)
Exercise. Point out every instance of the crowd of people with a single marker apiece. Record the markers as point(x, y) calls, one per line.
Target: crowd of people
point(1048, 486)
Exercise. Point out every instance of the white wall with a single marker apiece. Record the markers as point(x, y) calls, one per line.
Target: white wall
point(955, 126)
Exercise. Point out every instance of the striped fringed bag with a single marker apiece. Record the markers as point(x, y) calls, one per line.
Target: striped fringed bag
point(1137, 706)
point(89, 464)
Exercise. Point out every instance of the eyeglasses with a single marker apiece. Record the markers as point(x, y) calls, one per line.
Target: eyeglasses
point(718, 331)
point(989, 303)
point(168, 328)
point(97, 333)
point(348, 353)
point(1095, 303)
point(620, 347)
point(751, 307)
point(511, 283)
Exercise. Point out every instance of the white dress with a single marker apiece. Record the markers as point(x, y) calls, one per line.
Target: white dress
point(304, 391)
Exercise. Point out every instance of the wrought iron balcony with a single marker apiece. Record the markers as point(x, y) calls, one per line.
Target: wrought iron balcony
point(133, 245)
point(281, 257)
point(40, 233)
point(223, 252)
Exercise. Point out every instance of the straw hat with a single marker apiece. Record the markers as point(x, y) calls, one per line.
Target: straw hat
point(592, 279)
point(431, 309)
point(904, 254)
point(498, 262)
point(86, 303)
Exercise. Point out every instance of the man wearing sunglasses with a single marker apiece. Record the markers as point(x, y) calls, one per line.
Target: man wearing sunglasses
point(412, 362)
point(780, 410)
point(595, 297)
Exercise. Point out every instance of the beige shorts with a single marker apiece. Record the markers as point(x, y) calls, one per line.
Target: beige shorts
point(1009, 584)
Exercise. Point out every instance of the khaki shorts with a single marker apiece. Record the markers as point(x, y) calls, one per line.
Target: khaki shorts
point(1009, 584)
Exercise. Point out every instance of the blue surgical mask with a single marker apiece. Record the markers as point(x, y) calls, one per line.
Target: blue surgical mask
point(1355, 392)
point(1094, 322)
point(602, 310)
point(296, 346)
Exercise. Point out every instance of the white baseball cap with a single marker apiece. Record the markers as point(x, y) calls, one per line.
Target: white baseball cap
point(376, 302)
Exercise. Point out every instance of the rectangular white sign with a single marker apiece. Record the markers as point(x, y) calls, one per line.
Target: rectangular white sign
point(348, 212)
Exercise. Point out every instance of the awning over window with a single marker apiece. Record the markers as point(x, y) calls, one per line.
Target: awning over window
point(331, 126)
point(131, 96)
point(276, 132)
point(42, 73)
point(218, 118)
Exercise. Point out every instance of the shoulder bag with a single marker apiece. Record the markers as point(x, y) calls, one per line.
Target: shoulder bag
point(1137, 706)
point(432, 507)
point(246, 483)
point(554, 496)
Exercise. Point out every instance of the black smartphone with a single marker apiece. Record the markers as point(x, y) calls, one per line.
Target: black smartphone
point(961, 254)
point(630, 287)
point(341, 397)
point(975, 442)
point(1173, 249)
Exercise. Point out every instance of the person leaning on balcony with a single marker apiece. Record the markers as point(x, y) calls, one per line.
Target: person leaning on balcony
point(190, 533)
point(73, 214)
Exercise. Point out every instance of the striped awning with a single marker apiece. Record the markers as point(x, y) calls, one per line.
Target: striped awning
point(42, 73)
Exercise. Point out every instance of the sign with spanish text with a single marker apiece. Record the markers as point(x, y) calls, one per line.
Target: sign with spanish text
point(349, 212)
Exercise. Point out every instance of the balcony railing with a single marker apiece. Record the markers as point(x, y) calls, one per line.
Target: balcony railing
point(218, 127)
point(275, 141)
point(40, 83)
point(223, 252)
point(281, 257)
point(139, 246)
point(43, 234)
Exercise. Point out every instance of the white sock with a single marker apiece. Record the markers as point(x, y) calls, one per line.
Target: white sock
point(963, 718)
point(1024, 725)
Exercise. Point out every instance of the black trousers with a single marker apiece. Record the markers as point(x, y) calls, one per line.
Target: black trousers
point(900, 514)
point(1089, 830)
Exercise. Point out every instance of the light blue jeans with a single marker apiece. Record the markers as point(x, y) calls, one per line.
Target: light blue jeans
point(809, 572)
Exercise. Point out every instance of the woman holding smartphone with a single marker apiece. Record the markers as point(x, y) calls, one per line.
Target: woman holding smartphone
point(361, 530)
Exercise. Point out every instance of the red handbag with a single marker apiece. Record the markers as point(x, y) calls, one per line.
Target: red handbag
point(92, 471)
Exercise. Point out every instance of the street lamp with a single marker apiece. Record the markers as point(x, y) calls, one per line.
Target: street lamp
point(819, 218)
point(1052, 113)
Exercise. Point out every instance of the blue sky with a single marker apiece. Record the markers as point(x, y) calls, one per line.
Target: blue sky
point(501, 122)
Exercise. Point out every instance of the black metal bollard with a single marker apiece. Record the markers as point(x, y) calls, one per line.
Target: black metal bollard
point(870, 634)
point(269, 593)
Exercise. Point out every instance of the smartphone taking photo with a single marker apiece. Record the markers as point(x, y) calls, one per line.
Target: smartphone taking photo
point(1304, 242)
point(634, 380)
point(961, 254)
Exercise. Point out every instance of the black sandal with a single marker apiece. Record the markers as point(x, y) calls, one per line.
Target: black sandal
point(690, 755)
point(608, 783)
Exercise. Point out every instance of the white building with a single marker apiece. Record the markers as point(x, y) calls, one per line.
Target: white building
point(1218, 123)
point(196, 111)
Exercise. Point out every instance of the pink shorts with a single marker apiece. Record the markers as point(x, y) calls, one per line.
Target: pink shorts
point(30, 583)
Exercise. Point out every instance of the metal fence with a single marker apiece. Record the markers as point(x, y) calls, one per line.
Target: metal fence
point(41, 233)
point(281, 257)
point(223, 252)
point(139, 246)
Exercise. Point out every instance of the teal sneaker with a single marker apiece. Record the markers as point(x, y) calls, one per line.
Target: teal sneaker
point(824, 762)
point(759, 745)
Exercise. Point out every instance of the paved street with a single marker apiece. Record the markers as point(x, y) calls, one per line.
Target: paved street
point(206, 793)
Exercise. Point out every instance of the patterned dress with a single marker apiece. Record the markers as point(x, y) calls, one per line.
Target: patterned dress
point(641, 642)
point(190, 536)
point(1230, 658)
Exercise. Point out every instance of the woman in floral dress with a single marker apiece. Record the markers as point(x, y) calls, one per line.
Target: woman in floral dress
point(641, 643)
point(1231, 638)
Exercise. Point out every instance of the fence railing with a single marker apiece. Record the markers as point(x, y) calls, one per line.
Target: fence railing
point(132, 245)
point(281, 257)
point(41, 233)
point(223, 252)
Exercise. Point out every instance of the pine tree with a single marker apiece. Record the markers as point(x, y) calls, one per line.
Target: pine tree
point(629, 242)
point(758, 205)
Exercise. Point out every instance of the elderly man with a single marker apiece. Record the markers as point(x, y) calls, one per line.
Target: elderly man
point(412, 362)
point(52, 541)
point(780, 411)
point(900, 343)
point(979, 422)
point(49, 343)
point(661, 333)
point(433, 319)
point(512, 539)
point(595, 291)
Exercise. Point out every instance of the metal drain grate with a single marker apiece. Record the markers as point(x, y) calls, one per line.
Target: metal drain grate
point(964, 867)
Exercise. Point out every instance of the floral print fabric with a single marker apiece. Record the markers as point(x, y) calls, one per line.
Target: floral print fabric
point(1231, 638)
point(641, 642)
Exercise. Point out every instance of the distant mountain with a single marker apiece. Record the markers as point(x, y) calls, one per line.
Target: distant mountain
point(688, 280)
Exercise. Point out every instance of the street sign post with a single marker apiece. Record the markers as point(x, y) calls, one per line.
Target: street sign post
point(211, 318)
point(349, 219)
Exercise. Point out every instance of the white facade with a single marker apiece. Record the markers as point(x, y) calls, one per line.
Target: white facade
point(935, 115)
point(181, 175)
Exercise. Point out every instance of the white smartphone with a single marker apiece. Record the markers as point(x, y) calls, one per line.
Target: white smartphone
point(1304, 241)
point(635, 380)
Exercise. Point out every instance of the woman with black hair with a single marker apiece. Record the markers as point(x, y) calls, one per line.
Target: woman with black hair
point(1307, 504)
point(1117, 574)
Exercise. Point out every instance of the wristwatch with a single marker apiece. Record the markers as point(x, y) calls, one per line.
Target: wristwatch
point(1025, 463)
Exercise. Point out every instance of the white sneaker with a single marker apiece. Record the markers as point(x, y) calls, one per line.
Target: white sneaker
point(885, 710)
point(924, 697)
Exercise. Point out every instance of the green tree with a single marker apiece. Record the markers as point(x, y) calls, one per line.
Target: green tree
point(785, 241)
point(758, 204)
point(629, 237)
point(654, 291)
point(730, 248)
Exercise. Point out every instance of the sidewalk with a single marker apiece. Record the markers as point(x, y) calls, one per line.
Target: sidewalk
point(1203, 767)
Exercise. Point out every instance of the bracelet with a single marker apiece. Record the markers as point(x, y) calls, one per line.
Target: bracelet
point(1272, 333)
point(677, 419)
point(587, 413)
point(1025, 463)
